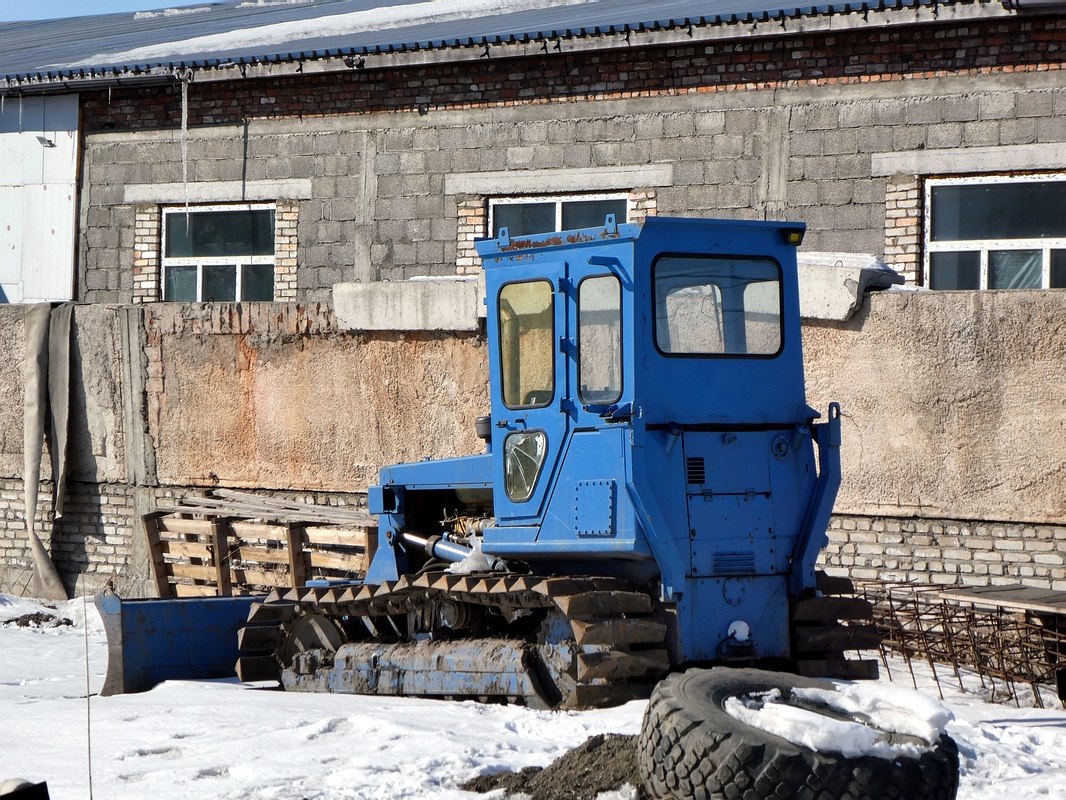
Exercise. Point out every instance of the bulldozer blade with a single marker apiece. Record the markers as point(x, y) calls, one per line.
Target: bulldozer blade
point(151, 641)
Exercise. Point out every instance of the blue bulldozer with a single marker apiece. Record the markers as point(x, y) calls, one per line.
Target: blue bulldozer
point(654, 491)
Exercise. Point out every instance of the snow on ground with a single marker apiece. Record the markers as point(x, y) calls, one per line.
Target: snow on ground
point(223, 740)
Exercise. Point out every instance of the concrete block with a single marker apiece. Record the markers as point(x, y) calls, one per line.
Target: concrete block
point(417, 305)
point(833, 285)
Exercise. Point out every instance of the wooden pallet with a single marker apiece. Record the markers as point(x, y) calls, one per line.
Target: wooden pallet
point(234, 543)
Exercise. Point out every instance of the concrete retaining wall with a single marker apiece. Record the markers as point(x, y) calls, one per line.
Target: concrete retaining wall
point(954, 426)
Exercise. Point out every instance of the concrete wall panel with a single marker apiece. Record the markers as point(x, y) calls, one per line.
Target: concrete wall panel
point(12, 387)
point(310, 412)
point(98, 439)
point(953, 404)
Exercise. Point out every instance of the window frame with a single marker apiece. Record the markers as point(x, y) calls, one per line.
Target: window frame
point(558, 200)
point(984, 246)
point(237, 261)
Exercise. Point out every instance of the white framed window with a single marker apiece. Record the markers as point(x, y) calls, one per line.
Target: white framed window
point(524, 216)
point(996, 232)
point(218, 253)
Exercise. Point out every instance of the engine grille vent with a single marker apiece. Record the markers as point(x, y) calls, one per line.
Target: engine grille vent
point(696, 469)
point(734, 563)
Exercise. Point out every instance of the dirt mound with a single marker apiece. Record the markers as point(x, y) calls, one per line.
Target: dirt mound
point(603, 763)
point(38, 619)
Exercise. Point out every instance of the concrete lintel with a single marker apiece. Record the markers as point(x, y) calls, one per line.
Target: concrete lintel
point(444, 304)
point(557, 181)
point(217, 191)
point(832, 285)
point(970, 159)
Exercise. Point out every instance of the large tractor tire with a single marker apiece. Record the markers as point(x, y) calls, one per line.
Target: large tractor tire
point(690, 747)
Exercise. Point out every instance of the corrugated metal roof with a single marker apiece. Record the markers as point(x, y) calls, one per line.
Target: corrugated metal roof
point(294, 29)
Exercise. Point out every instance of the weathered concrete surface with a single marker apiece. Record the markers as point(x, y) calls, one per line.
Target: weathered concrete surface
point(319, 412)
point(12, 355)
point(96, 437)
point(953, 403)
point(422, 305)
point(97, 385)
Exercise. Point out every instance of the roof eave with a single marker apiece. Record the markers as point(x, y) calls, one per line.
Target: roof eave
point(705, 30)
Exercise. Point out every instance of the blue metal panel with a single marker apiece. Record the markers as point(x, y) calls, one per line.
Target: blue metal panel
point(711, 606)
point(594, 503)
point(720, 390)
point(445, 473)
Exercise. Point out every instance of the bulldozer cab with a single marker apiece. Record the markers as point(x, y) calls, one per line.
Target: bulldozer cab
point(673, 323)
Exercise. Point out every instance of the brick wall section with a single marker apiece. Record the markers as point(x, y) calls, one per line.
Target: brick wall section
point(947, 552)
point(94, 538)
point(90, 544)
point(14, 547)
point(858, 56)
point(903, 227)
point(642, 204)
point(146, 254)
point(286, 261)
point(473, 224)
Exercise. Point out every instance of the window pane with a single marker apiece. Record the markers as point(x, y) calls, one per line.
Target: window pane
point(1058, 269)
point(1015, 269)
point(220, 233)
point(599, 339)
point(591, 213)
point(717, 306)
point(523, 456)
point(179, 284)
point(257, 282)
point(955, 271)
point(523, 219)
point(526, 344)
point(220, 284)
point(1029, 210)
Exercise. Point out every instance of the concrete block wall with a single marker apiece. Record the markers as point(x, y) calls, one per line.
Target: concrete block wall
point(391, 171)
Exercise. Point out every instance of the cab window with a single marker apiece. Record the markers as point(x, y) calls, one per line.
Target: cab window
point(599, 339)
point(717, 306)
point(526, 320)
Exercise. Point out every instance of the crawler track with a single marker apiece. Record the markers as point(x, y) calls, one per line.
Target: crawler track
point(566, 642)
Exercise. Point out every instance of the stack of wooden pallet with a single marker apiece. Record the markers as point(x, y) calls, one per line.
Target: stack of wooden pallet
point(239, 543)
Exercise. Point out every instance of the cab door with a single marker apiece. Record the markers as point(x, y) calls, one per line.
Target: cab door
point(530, 409)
